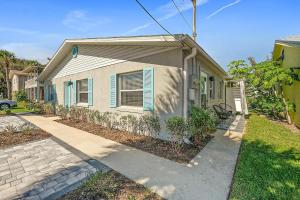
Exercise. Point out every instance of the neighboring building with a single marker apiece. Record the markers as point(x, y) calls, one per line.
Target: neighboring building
point(235, 96)
point(288, 51)
point(27, 80)
point(34, 89)
point(17, 79)
point(134, 75)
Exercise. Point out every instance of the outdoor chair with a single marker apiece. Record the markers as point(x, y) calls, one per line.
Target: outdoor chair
point(221, 112)
point(226, 107)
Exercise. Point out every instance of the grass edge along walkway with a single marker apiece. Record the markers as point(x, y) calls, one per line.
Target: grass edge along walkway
point(269, 162)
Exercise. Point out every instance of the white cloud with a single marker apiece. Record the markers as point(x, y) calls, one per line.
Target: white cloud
point(222, 9)
point(167, 11)
point(34, 34)
point(29, 51)
point(80, 21)
point(17, 31)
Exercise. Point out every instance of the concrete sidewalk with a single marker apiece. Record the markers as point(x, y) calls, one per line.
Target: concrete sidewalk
point(208, 176)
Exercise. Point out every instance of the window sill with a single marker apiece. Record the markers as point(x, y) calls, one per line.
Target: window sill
point(130, 109)
point(85, 105)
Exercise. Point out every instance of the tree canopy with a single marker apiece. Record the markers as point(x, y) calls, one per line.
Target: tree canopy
point(264, 81)
point(9, 61)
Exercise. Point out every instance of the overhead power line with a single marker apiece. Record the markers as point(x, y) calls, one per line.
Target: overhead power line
point(143, 7)
point(183, 17)
point(152, 17)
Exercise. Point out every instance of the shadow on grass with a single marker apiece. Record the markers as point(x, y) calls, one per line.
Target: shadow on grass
point(266, 172)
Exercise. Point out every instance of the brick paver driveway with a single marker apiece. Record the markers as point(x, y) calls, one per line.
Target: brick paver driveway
point(40, 169)
point(15, 121)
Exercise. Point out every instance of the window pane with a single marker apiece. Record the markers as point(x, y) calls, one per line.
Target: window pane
point(132, 98)
point(83, 85)
point(83, 97)
point(131, 81)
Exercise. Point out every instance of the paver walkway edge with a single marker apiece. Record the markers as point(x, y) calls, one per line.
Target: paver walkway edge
point(208, 176)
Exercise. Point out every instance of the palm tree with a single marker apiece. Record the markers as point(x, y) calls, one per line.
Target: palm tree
point(6, 61)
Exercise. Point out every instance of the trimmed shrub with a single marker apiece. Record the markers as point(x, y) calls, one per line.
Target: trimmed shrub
point(153, 124)
point(132, 123)
point(99, 118)
point(48, 108)
point(11, 129)
point(200, 124)
point(107, 119)
point(149, 124)
point(21, 96)
point(62, 112)
point(176, 126)
point(123, 122)
point(92, 116)
point(83, 112)
point(38, 107)
point(5, 112)
point(23, 104)
point(74, 113)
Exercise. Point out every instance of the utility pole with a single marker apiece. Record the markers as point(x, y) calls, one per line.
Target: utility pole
point(194, 20)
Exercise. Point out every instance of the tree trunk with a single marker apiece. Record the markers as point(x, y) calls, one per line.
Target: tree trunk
point(8, 86)
point(288, 117)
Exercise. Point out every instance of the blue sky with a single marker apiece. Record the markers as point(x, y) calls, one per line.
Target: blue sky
point(227, 29)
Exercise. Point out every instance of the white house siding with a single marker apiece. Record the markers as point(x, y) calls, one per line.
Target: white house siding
point(167, 79)
point(18, 82)
point(15, 83)
point(96, 56)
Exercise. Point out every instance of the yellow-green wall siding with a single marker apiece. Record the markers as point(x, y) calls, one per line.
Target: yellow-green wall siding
point(291, 93)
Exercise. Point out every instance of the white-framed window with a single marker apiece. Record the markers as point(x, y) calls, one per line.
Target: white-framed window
point(82, 91)
point(212, 87)
point(130, 89)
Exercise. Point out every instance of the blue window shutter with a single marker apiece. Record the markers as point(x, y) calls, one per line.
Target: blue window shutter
point(148, 90)
point(66, 94)
point(74, 92)
point(113, 91)
point(54, 93)
point(49, 93)
point(46, 92)
point(90, 91)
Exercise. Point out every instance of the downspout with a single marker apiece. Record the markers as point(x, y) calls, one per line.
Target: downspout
point(185, 81)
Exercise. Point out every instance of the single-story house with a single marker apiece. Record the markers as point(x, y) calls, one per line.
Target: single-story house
point(288, 52)
point(159, 74)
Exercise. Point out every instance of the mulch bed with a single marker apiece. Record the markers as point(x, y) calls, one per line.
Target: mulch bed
point(291, 127)
point(145, 143)
point(111, 185)
point(284, 123)
point(9, 139)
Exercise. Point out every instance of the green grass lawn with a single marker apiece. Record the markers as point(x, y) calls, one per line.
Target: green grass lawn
point(269, 162)
point(19, 110)
point(14, 110)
